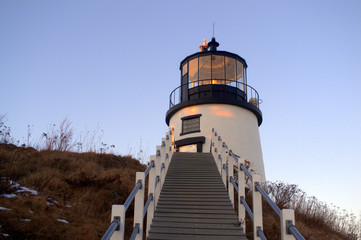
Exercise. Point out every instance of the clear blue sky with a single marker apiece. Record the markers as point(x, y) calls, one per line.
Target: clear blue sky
point(115, 63)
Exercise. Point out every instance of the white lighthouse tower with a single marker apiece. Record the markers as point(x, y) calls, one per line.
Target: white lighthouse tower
point(214, 94)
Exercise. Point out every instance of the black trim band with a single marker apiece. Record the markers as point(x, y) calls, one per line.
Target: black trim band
point(191, 116)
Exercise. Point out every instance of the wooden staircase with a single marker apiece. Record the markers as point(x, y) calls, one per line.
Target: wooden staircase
point(194, 203)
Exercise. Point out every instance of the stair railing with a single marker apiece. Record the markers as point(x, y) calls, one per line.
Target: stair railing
point(156, 172)
point(226, 160)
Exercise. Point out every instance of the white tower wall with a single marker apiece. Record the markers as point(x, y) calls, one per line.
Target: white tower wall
point(237, 126)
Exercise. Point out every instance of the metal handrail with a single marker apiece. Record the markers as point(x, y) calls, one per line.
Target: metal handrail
point(234, 184)
point(233, 155)
point(132, 195)
point(135, 232)
point(150, 199)
point(293, 230)
point(243, 168)
point(275, 208)
point(261, 234)
point(148, 169)
point(248, 209)
point(226, 169)
point(113, 226)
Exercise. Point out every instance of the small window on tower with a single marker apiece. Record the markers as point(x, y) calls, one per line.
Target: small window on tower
point(191, 124)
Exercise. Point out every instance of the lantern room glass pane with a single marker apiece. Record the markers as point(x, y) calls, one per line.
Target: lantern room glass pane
point(193, 72)
point(240, 78)
point(239, 72)
point(218, 69)
point(230, 71)
point(185, 69)
point(204, 69)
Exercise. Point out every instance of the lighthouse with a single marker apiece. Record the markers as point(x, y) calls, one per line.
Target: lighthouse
point(214, 94)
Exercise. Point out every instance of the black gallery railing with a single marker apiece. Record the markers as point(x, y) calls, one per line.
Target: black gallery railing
point(214, 88)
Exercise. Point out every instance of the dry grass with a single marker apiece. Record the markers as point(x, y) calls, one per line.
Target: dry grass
point(81, 187)
point(77, 187)
point(315, 220)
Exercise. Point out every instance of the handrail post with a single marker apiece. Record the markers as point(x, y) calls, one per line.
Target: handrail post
point(230, 175)
point(257, 206)
point(171, 146)
point(151, 187)
point(157, 189)
point(118, 212)
point(166, 151)
point(213, 143)
point(163, 155)
point(220, 150)
point(162, 164)
point(224, 155)
point(287, 218)
point(139, 204)
point(241, 193)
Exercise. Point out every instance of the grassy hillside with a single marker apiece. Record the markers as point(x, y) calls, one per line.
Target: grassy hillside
point(61, 195)
point(64, 195)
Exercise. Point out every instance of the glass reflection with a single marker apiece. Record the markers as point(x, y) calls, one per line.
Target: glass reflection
point(218, 68)
point(205, 69)
point(193, 72)
point(215, 69)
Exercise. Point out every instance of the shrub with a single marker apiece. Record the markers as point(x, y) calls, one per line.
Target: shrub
point(5, 131)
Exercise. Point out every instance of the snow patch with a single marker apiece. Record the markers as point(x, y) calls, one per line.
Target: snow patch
point(25, 220)
point(5, 209)
point(10, 195)
point(62, 220)
point(29, 190)
point(18, 188)
point(51, 202)
point(5, 235)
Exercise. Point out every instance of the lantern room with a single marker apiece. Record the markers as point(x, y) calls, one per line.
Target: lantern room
point(212, 76)
point(213, 67)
